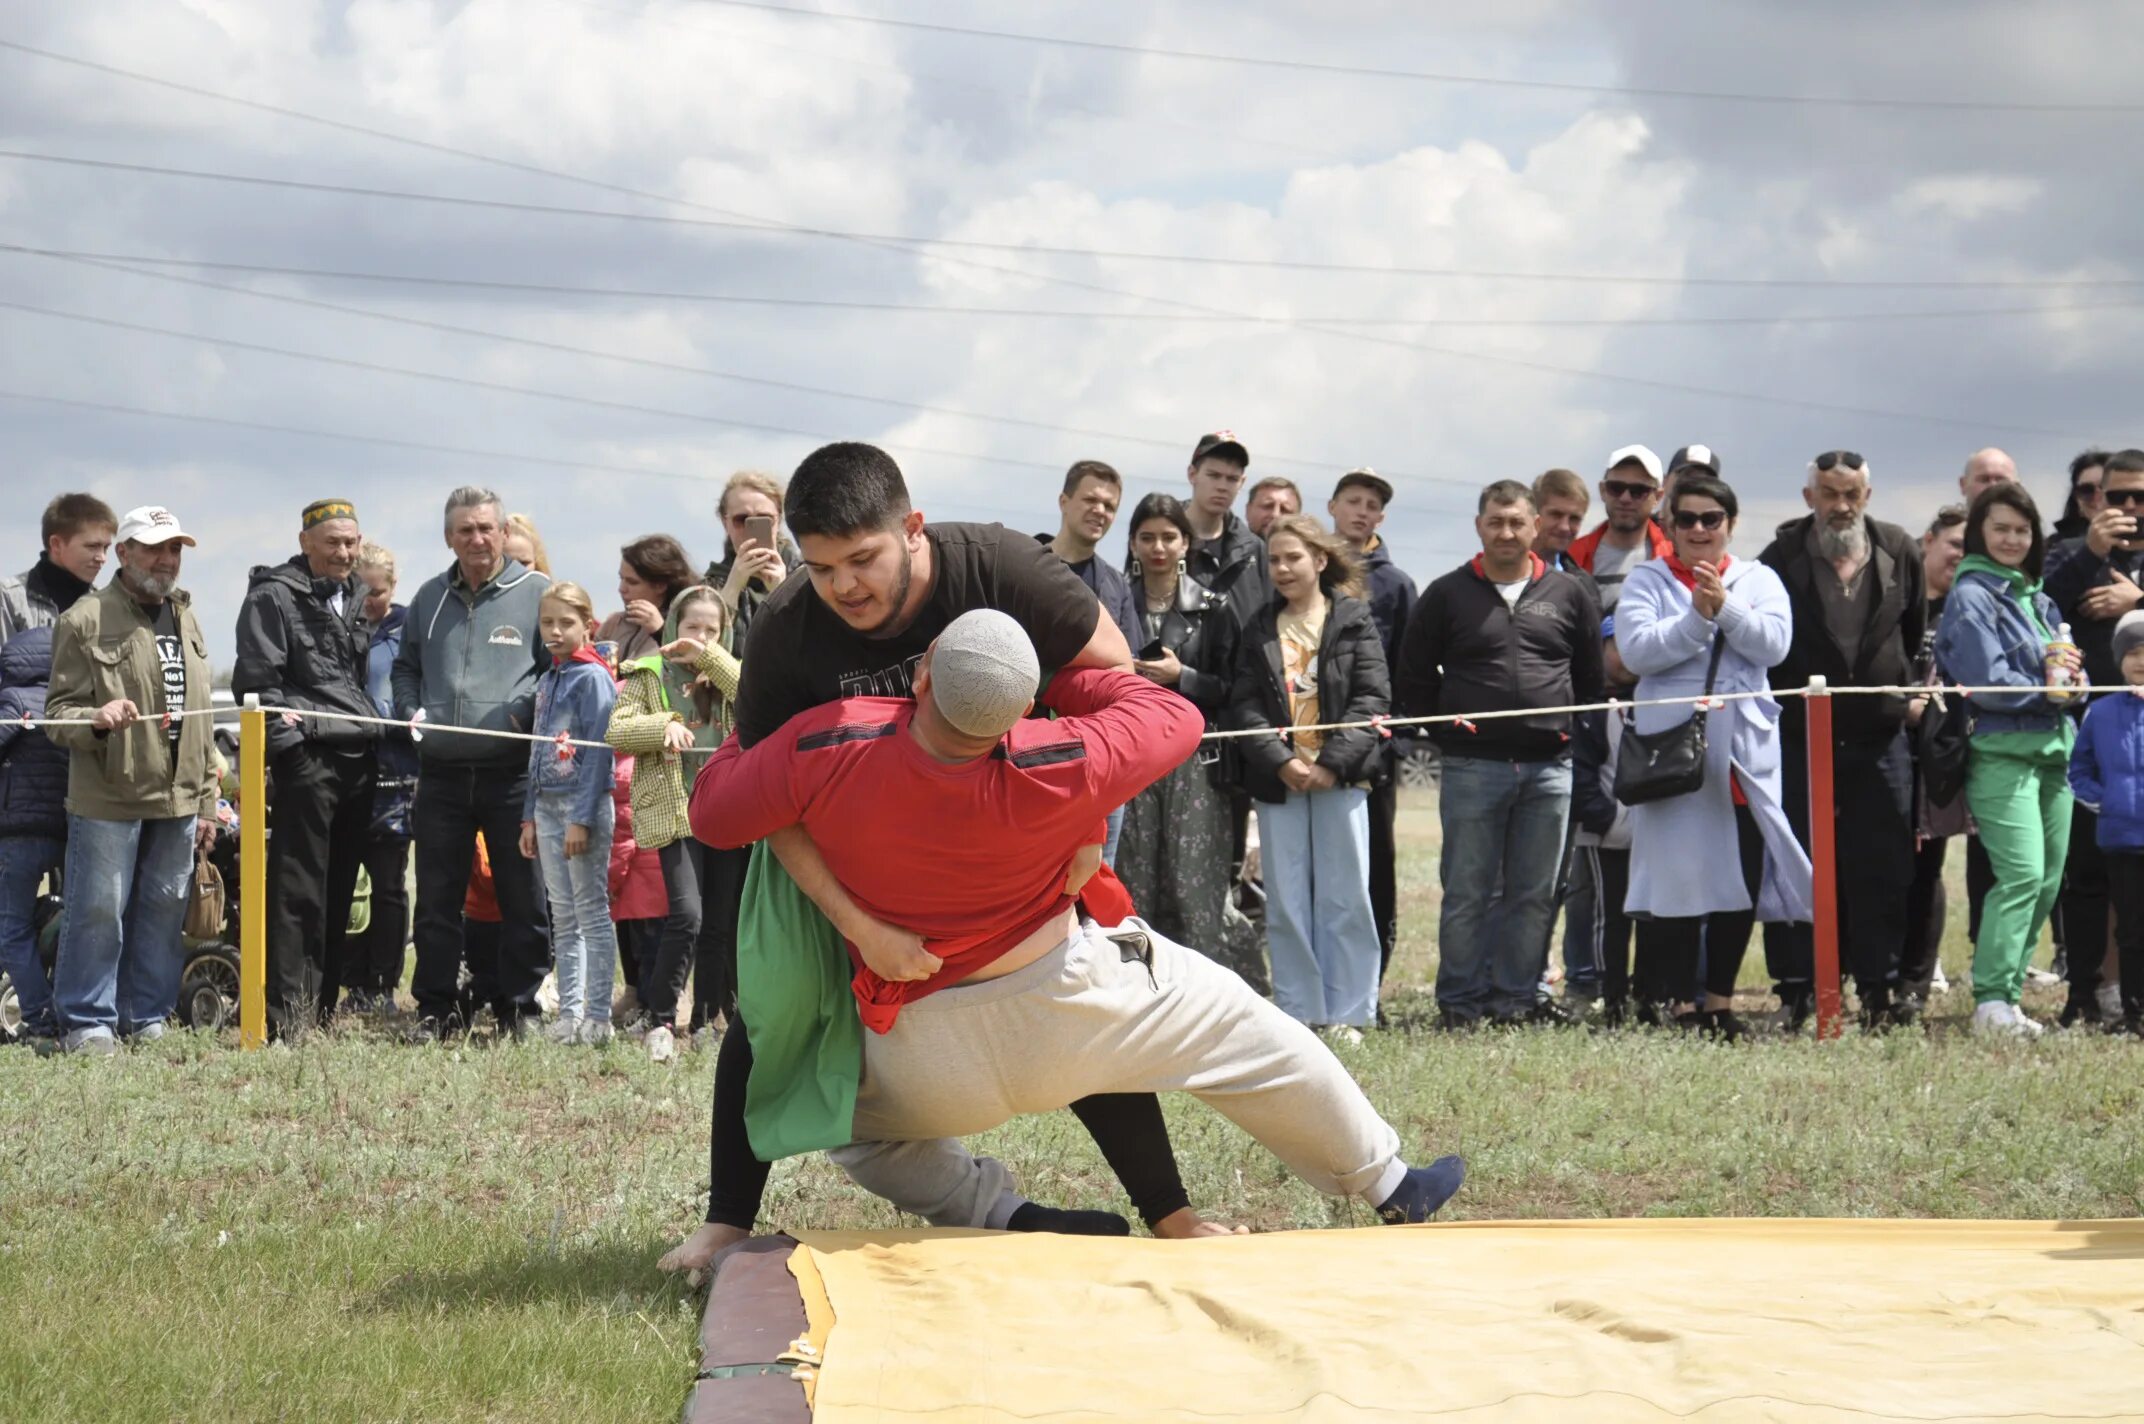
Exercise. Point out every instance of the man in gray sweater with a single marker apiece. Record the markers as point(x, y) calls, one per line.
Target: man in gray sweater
point(471, 653)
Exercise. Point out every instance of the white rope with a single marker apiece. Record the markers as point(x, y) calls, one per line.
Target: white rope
point(420, 728)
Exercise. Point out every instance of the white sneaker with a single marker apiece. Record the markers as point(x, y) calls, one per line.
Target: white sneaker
point(2110, 1002)
point(547, 994)
point(1995, 1020)
point(662, 1045)
point(1341, 1035)
point(564, 1030)
point(2027, 1026)
point(91, 1043)
point(1938, 983)
point(147, 1033)
point(2041, 977)
point(596, 1032)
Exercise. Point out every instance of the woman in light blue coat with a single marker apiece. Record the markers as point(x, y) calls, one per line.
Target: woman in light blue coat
point(1705, 867)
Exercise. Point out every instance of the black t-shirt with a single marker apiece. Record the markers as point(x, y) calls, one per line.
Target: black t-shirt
point(801, 655)
point(173, 658)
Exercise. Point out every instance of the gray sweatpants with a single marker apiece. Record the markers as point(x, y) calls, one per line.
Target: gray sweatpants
point(1107, 1011)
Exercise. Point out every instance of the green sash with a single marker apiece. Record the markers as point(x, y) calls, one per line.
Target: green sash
point(793, 992)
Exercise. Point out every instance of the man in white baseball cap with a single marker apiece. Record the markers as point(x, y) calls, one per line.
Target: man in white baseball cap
point(141, 786)
point(1630, 492)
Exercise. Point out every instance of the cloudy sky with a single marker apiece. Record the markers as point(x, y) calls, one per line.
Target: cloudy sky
point(1908, 237)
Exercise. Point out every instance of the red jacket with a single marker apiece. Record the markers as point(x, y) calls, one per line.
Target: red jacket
point(637, 888)
point(971, 856)
point(1582, 548)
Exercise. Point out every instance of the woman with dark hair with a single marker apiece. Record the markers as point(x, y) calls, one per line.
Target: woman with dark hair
point(1312, 657)
point(1707, 865)
point(1173, 853)
point(652, 570)
point(2088, 472)
point(1997, 632)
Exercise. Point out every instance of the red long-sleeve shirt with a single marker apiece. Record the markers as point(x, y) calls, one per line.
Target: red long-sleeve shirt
point(971, 856)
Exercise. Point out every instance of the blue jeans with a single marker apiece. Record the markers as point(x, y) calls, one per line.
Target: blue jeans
point(583, 939)
point(1314, 850)
point(120, 949)
point(24, 862)
point(1503, 820)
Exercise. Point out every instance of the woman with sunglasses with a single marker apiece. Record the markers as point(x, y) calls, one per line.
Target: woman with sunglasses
point(1706, 866)
point(1996, 633)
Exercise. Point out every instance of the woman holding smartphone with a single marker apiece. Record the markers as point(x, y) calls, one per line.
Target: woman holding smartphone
point(1173, 853)
point(756, 555)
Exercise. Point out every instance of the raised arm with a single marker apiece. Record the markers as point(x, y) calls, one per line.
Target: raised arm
point(1134, 731)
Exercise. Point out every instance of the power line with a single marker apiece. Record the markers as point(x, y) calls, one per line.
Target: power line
point(906, 242)
point(1484, 81)
point(133, 259)
point(653, 363)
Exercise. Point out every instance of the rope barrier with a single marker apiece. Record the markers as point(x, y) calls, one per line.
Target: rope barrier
point(419, 728)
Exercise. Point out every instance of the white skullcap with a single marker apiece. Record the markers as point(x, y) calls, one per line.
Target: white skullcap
point(984, 673)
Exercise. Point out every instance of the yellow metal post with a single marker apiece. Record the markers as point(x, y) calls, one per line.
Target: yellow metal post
point(252, 874)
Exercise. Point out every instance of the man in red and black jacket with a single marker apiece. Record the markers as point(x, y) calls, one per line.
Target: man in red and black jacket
point(1502, 634)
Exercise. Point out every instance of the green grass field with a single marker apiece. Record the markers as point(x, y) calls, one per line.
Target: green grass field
point(361, 1231)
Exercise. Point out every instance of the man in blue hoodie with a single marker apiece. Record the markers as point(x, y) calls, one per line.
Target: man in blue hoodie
point(1358, 510)
point(471, 653)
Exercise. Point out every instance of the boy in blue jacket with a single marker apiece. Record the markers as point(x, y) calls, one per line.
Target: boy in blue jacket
point(2107, 775)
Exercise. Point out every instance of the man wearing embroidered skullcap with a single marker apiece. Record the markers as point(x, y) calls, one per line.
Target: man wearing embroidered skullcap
point(302, 645)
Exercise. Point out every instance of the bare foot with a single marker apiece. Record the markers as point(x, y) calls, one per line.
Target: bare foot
point(1187, 1224)
point(696, 1252)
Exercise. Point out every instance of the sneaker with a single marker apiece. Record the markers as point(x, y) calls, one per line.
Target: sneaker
point(596, 1033)
point(2027, 1025)
point(90, 1042)
point(662, 1044)
point(1995, 1020)
point(2042, 977)
point(1938, 982)
point(564, 1029)
point(1341, 1036)
point(1422, 1191)
point(147, 1033)
point(547, 994)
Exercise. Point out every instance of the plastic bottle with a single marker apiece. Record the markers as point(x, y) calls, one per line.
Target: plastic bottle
point(2061, 678)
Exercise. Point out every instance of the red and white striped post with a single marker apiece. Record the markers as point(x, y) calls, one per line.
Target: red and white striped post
point(1824, 860)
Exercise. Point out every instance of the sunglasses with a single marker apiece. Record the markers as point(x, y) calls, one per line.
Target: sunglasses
point(1620, 489)
point(1709, 518)
point(2085, 489)
point(1832, 459)
point(2124, 498)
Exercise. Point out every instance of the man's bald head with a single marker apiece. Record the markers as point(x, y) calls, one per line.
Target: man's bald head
point(980, 675)
point(1984, 468)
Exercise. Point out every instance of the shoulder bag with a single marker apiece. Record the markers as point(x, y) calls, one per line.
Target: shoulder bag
point(1655, 766)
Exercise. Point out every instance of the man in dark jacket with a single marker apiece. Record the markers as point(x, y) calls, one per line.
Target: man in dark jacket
point(78, 530)
point(1086, 511)
point(1225, 556)
point(471, 653)
point(2095, 576)
point(1357, 509)
point(1859, 612)
point(1500, 634)
point(33, 821)
point(302, 646)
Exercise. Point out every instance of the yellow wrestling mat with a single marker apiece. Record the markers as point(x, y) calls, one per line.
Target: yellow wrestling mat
point(1524, 1320)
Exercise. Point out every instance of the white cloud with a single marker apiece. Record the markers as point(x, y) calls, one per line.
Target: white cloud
point(1967, 197)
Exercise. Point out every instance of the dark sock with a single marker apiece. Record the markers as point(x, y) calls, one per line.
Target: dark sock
point(1031, 1217)
point(1422, 1191)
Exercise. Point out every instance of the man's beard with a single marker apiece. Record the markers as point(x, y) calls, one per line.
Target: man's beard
point(885, 627)
point(1851, 542)
point(152, 585)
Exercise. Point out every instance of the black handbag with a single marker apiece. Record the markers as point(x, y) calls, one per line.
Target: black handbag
point(1654, 766)
point(1940, 745)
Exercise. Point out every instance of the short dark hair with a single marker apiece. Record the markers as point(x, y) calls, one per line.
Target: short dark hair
point(846, 488)
point(1561, 484)
point(1950, 516)
point(70, 514)
point(1274, 482)
point(1506, 492)
point(2011, 495)
point(1160, 506)
point(658, 558)
point(1092, 470)
point(1710, 487)
point(2123, 462)
point(2086, 459)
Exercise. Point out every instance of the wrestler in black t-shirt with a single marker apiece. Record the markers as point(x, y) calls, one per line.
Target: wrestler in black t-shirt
point(800, 654)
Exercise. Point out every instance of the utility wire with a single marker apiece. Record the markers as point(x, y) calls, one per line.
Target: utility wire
point(413, 279)
point(1483, 81)
point(907, 243)
point(652, 363)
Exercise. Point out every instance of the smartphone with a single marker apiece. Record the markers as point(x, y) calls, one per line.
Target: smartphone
point(1152, 652)
point(759, 531)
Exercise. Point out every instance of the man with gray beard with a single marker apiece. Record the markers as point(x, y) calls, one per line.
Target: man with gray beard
point(1859, 611)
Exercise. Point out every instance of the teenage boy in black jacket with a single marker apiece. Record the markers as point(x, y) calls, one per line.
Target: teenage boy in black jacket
point(1503, 633)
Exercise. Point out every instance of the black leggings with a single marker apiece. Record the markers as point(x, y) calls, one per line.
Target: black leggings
point(1668, 948)
point(1127, 1127)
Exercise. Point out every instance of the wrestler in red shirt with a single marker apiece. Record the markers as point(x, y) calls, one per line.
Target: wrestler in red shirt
point(849, 770)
